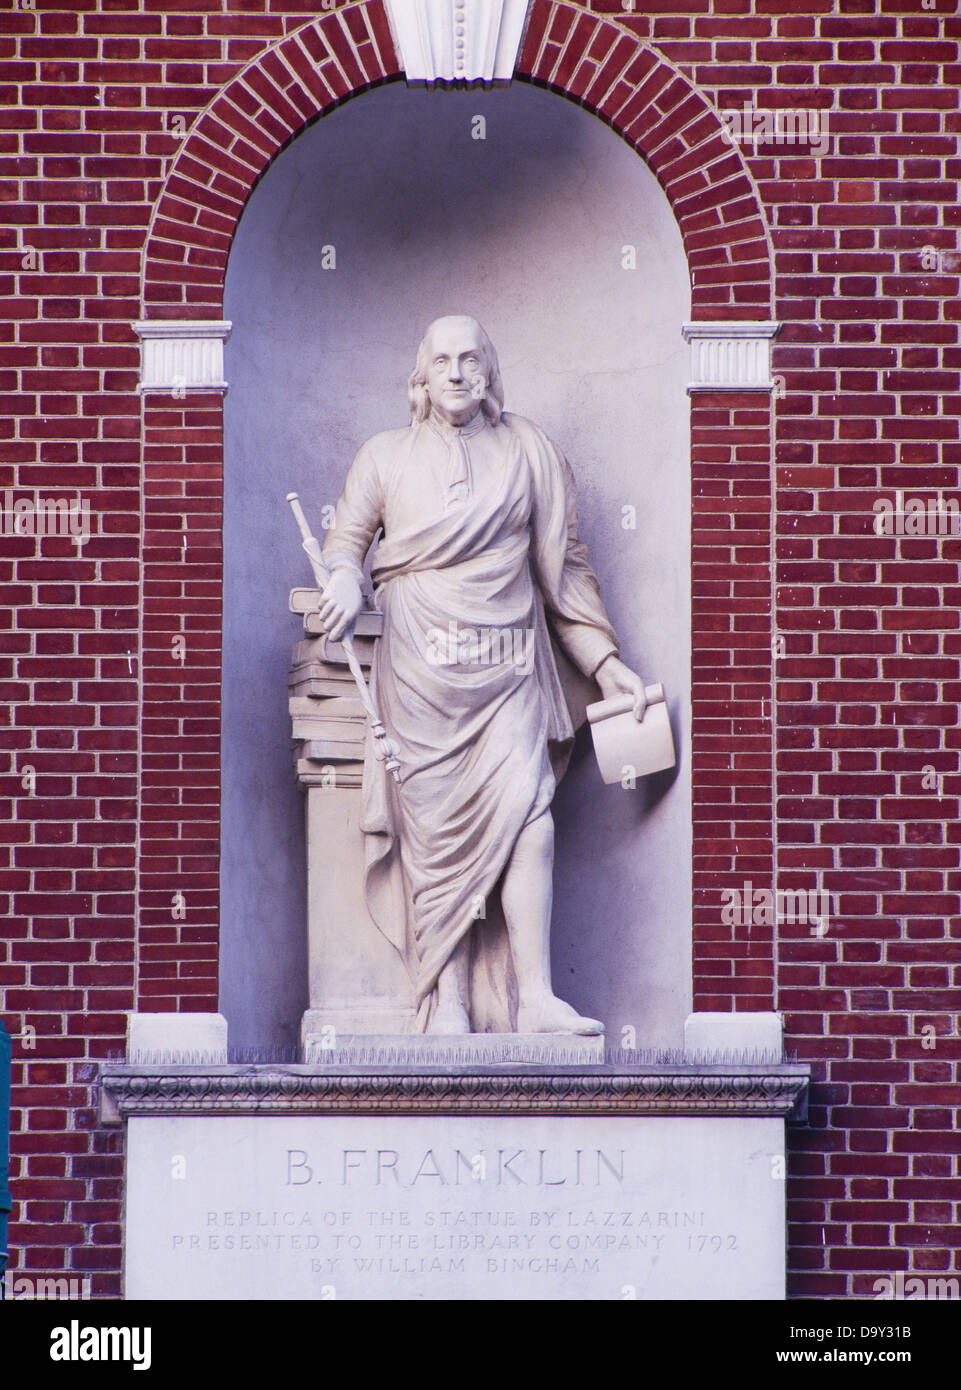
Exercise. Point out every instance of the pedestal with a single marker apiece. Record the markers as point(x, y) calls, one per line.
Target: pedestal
point(358, 982)
point(471, 1183)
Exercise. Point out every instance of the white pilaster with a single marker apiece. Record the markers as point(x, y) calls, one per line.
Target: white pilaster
point(181, 356)
point(730, 356)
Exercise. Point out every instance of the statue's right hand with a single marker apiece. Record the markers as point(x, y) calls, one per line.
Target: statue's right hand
point(341, 603)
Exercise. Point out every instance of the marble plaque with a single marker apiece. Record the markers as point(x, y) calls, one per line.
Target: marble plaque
point(454, 1207)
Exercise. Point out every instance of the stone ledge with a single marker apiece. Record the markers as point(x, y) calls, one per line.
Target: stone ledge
point(769, 1090)
point(372, 1050)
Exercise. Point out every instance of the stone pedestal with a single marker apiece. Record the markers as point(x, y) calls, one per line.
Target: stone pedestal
point(358, 982)
point(463, 1183)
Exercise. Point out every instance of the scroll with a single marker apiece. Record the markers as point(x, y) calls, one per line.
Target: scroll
point(624, 745)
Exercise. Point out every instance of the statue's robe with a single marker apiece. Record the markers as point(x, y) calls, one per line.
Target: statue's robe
point(479, 542)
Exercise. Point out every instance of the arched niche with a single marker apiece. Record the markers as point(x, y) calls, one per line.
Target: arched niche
point(554, 233)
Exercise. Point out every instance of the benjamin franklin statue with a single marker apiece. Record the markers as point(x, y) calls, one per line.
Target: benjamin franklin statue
point(478, 573)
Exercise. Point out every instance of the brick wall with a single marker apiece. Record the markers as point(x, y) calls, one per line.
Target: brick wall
point(129, 140)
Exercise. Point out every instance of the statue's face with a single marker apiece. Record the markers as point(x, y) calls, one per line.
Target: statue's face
point(456, 375)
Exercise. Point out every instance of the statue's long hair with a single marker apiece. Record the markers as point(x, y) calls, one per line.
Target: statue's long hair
point(491, 405)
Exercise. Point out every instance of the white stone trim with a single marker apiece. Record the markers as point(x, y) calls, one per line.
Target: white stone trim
point(188, 1039)
point(760, 1034)
point(180, 356)
point(457, 40)
point(730, 356)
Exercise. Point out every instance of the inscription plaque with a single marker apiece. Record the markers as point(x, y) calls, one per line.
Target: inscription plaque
point(455, 1207)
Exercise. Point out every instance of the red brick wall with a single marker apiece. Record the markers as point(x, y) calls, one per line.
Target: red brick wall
point(179, 884)
point(128, 145)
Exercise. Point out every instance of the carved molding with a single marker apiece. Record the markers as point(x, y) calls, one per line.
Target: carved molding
point(730, 356)
point(182, 356)
point(773, 1091)
point(458, 40)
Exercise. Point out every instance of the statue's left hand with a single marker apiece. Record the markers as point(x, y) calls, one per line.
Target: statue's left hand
point(615, 678)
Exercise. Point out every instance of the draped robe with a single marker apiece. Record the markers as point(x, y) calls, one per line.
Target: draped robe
point(479, 565)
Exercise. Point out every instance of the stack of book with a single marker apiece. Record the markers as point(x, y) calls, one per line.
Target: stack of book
point(326, 712)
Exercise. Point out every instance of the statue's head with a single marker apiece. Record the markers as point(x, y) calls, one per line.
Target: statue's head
point(456, 372)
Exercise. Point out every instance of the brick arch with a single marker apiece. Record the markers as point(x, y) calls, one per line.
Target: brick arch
point(678, 133)
point(232, 143)
point(588, 58)
point(598, 63)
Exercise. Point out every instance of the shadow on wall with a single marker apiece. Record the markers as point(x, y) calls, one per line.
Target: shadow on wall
point(381, 216)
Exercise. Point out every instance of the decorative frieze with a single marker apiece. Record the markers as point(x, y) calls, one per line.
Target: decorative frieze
point(769, 1090)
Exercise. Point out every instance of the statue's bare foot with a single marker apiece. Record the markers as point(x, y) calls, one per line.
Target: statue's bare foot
point(449, 1019)
point(548, 1014)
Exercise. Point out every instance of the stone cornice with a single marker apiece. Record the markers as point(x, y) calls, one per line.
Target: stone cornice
point(765, 1090)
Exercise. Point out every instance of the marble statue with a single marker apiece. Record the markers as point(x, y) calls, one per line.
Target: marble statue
point(479, 573)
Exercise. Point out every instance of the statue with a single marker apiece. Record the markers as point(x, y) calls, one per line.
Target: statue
point(478, 572)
